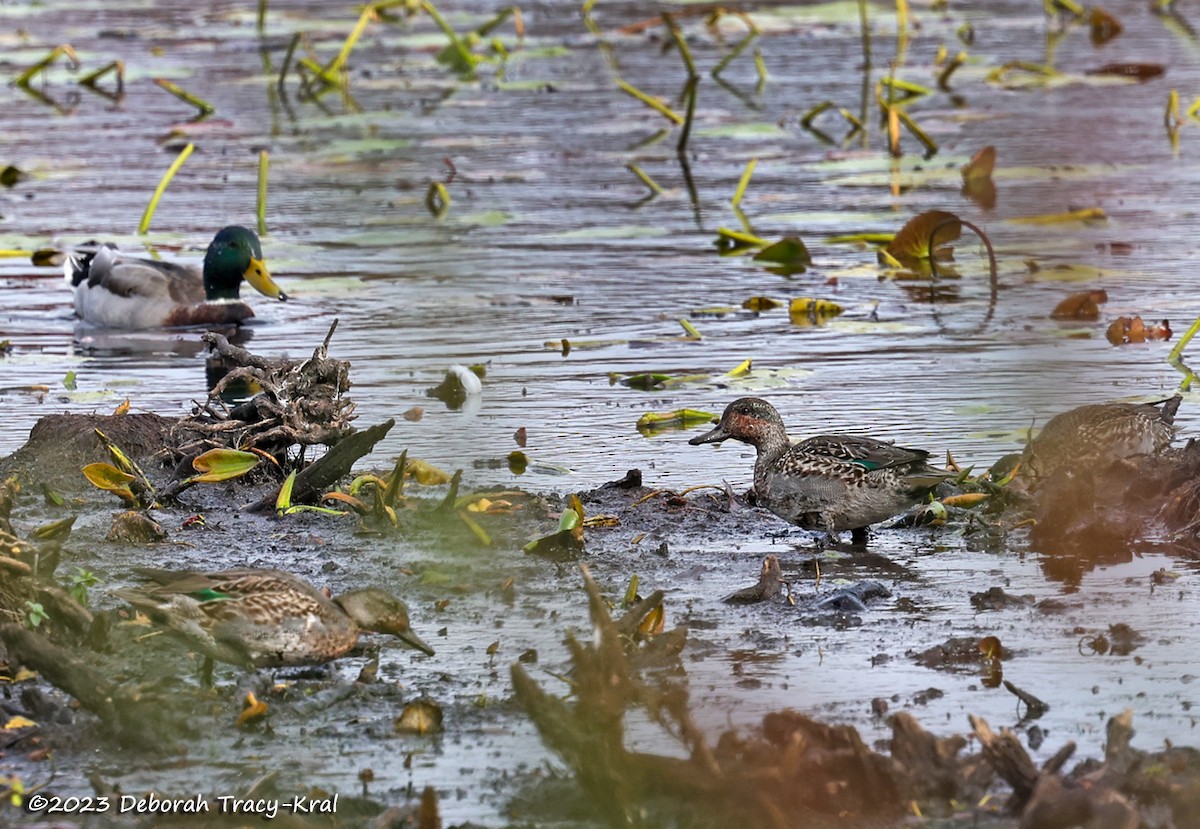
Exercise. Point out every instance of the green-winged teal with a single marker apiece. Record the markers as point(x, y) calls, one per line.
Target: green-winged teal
point(266, 618)
point(119, 291)
point(1100, 433)
point(828, 482)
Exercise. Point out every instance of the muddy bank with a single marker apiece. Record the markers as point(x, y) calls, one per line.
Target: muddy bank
point(894, 637)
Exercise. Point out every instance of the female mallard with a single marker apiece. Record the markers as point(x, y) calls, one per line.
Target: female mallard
point(119, 291)
point(828, 482)
point(266, 618)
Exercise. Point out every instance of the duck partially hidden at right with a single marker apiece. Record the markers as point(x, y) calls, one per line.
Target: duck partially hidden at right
point(1091, 437)
point(266, 618)
point(828, 482)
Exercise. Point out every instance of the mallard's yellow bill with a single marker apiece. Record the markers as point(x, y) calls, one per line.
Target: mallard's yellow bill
point(260, 279)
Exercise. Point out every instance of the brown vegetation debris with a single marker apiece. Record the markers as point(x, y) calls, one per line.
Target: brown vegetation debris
point(1084, 305)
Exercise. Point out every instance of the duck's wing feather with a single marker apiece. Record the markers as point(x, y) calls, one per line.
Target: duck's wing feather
point(126, 276)
point(232, 584)
point(866, 452)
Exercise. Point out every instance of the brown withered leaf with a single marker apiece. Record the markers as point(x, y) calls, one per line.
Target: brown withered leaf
point(1084, 305)
point(1124, 330)
point(1104, 26)
point(1137, 71)
point(981, 165)
point(912, 243)
point(977, 178)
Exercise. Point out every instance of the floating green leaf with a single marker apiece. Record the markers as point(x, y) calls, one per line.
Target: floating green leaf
point(678, 419)
point(789, 253)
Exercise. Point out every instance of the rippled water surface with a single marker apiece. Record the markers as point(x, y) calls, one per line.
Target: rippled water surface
point(550, 236)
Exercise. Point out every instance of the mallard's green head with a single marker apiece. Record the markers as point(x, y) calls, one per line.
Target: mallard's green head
point(380, 611)
point(234, 255)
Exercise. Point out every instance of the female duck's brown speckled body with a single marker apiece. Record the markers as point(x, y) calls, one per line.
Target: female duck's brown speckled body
point(828, 482)
point(1098, 434)
point(267, 618)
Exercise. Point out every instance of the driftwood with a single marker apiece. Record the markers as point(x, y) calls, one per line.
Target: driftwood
point(300, 402)
point(317, 477)
point(1046, 800)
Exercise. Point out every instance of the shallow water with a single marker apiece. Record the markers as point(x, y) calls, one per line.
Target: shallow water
point(544, 210)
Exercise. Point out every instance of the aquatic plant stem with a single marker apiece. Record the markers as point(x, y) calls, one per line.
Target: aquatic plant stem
point(656, 105)
point(645, 178)
point(144, 225)
point(287, 58)
point(744, 182)
point(681, 44)
point(1175, 358)
point(182, 94)
point(686, 132)
point(338, 63)
point(993, 270)
point(464, 54)
point(738, 48)
point(263, 164)
point(866, 34)
point(25, 77)
point(117, 67)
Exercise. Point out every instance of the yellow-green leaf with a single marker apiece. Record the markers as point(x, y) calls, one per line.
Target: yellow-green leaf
point(569, 521)
point(284, 499)
point(789, 250)
point(631, 592)
point(473, 525)
point(1085, 215)
point(223, 465)
point(107, 477)
point(759, 304)
point(735, 241)
point(55, 530)
point(806, 306)
point(680, 418)
point(424, 473)
point(742, 368)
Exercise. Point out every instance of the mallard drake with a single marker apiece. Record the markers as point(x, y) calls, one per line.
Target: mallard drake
point(119, 291)
point(1100, 433)
point(266, 618)
point(828, 482)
